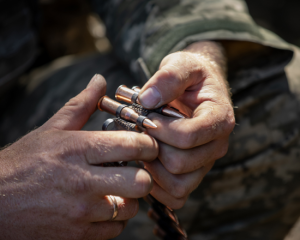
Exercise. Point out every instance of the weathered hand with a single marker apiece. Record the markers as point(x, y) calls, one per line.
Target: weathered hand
point(51, 186)
point(194, 82)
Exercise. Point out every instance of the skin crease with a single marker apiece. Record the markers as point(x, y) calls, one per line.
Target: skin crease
point(51, 188)
point(193, 81)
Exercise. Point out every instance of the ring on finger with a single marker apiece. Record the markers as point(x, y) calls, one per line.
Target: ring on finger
point(115, 205)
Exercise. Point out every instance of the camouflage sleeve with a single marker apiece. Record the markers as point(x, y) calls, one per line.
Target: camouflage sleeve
point(153, 29)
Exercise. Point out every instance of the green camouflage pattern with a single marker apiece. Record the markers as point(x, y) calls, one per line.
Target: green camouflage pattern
point(251, 193)
point(153, 29)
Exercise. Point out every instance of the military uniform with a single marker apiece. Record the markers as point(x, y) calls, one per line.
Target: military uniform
point(251, 193)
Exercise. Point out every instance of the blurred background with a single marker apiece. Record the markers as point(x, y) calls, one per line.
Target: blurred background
point(74, 29)
point(279, 16)
point(69, 29)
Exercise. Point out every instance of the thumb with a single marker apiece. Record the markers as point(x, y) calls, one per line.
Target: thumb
point(78, 110)
point(170, 81)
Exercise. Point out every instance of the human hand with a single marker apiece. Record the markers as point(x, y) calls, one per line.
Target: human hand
point(192, 81)
point(51, 184)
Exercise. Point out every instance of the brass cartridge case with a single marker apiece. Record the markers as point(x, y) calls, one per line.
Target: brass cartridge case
point(130, 96)
point(136, 89)
point(115, 108)
point(106, 104)
point(126, 94)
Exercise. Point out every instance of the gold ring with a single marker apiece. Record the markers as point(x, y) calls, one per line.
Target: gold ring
point(115, 204)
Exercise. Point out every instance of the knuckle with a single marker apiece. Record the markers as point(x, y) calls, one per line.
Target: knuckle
point(132, 146)
point(222, 151)
point(169, 58)
point(74, 102)
point(102, 230)
point(165, 60)
point(143, 182)
point(133, 210)
point(105, 230)
point(229, 121)
point(177, 204)
point(78, 212)
point(129, 208)
point(171, 74)
point(187, 138)
point(179, 191)
point(118, 228)
point(80, 185)
point(175, 165)
point(78, 231)
point(142, 188)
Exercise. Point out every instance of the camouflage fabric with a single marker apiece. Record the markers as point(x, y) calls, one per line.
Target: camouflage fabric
point(251, 193)
point(153, 29)
point(136, 28)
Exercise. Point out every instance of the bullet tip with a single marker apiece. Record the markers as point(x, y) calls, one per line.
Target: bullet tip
point(149, 124)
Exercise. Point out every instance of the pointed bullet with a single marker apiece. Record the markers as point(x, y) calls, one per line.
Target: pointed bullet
point(147, 123)
point(171, 112)
point(106, 104)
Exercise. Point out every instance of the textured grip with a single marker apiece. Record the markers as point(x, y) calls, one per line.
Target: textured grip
point(168, 226)
point(126, 125)
point(140, 110)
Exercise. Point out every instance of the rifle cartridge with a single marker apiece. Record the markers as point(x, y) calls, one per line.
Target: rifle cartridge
point(125, 94)
point(130, 96)
point(106, 104)
point(136, 88)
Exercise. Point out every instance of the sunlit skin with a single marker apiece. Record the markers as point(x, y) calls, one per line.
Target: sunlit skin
point(194, 82)
point(52, 188)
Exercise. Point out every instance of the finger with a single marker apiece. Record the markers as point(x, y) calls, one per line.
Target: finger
point(103, 210)
point(77, 111)
point(175, 159)
point(165, 198)
point(99, 147)
point(210, 123)
point(126, 182)
point(177, 72)
point(178, 186)
point(104, 230)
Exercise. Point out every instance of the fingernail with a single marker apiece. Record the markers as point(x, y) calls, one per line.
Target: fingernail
point(150, 98)
point(94, 79)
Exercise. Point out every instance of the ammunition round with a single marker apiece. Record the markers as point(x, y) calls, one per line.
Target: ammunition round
point(130, 96)
point(125, 94)
point(136, 89)
point(106, 104)
point(115, 108)
point(107, 123)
